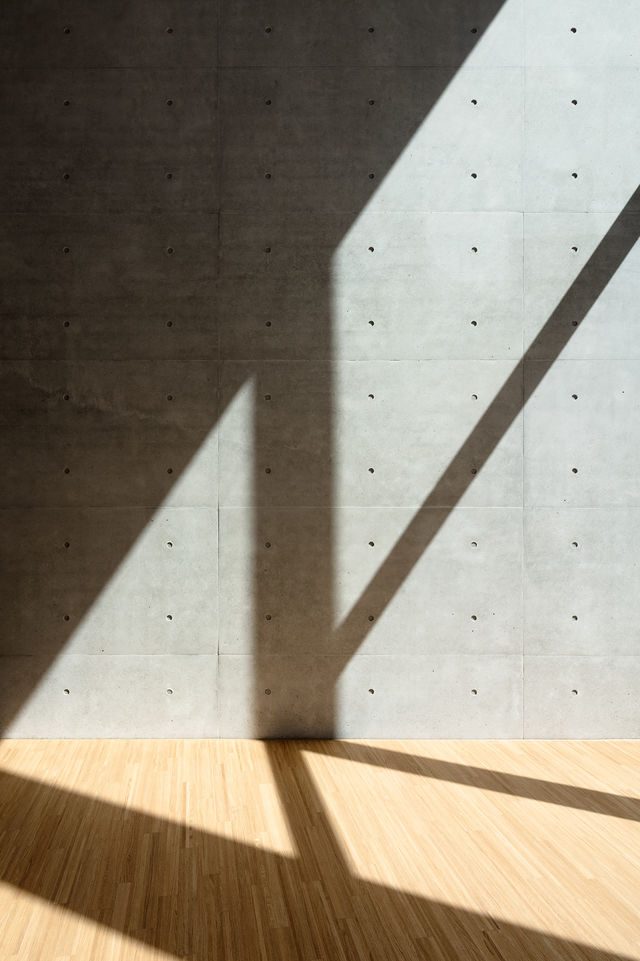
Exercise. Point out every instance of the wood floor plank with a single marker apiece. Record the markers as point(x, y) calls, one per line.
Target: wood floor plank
point(319, 850)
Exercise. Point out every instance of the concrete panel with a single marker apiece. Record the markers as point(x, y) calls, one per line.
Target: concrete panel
point(106, 288)
point(279, 155)
point(114, 581)
point(295, 444)
point(463, 595)
point(105, 434)
point(372, 32)
point(581, 697)
point(588, 325)
point(91, 33)
point(581, 581)
point(435, 285)
point(583, 451)
point(464, 696)
point(287, 293)
point(109, 696)
point(581, 33)
point(152, 144)
point(576, 153)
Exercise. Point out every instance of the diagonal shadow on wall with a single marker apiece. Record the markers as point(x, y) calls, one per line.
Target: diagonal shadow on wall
point(315, 695)
point(111, 278)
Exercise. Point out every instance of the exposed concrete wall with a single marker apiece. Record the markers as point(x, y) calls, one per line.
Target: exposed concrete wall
point(319, 369)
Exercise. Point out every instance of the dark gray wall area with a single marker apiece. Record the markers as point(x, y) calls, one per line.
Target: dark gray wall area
point(319, 370)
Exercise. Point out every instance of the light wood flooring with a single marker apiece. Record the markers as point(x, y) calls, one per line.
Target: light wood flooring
point(319, 850)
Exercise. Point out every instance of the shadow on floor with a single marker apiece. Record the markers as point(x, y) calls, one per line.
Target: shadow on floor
point(516, 785)
point(195, 895)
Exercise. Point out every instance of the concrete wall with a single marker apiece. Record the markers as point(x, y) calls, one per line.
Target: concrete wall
point(320, 369)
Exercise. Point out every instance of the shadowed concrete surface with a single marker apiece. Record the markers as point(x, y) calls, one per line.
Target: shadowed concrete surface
point(278, 283)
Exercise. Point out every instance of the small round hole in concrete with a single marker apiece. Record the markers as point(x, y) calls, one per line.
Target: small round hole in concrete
point(371, 617)
point(372, 323)
point(267, 396)
point(372, 544)
point(169, 470)
point(371, 249)
point(474, 323)
point(267, 250)
point(67, 30)
point(474, 617)
point(169, 396)
point(474, 29)
point(574, 617)
point(372, 470)
point(574, 470)
point(474, 397)
point(574, 543)
point(474, 543)
point(169, 103)
point(267, 617)
point(66, 617)
point(169, 690)
point(67, 545)
point(66, 176)
point(169, 176)
point(474, 691)
point(267, 470)
point(66, 250)
point(574, 29)
point(65, 397)
point(169, 617)
point(67, 470)
point(66, 691)
point(474, 250)
point(371, 103)
point(169, 29)
point(574, 323)
point(267, 323)
point(169, 544)
point(474, 470)
point(169, 323)
point(575, 250)
point(574, 691)
point(267, 29)
point(267, 690)
point(267, 544)
point(574, 175)
point(575, 103)
point(371, 691)
point(372, 29)
point(574, 396)
point(169, 250)
point(267, 176)
point(474, 176)
point(67, 323)
point(268, 103)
